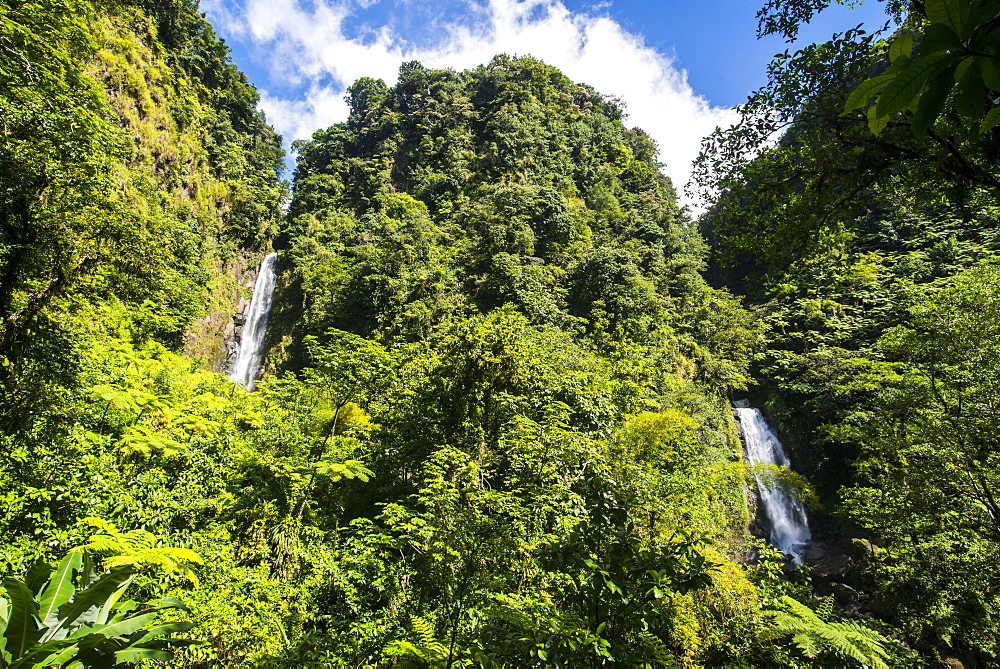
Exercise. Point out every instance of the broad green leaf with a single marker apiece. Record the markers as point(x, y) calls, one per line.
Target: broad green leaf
point(939, 37)
point(876, 123)
point(60, 658)
point(897, 66)
point(109, 606)
point(991, 120)
point(981, 15)
point(907, 85)
point(37, 575)
point(89, 573)
point(971, 93)
point(860, 96)
point(166, 628)
point(139, 654)
point(99, 614)
point(901, 47)
point(930, 103)
point(124, 610)
point(990, 72)
point(60, 588)
point(962, 68)
point(48, 654)
point(22, 624)
point(951, 13)
point(121, 628)
point(86, 605)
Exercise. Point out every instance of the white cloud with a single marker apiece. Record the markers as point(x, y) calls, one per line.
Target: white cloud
point(320, 107)
point(307, 48)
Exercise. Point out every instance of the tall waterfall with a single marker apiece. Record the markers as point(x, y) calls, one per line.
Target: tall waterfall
point(250, 353)
point(785, 513)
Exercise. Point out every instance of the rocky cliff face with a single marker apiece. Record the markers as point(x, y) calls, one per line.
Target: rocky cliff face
point(215, 338)
point(186, 118)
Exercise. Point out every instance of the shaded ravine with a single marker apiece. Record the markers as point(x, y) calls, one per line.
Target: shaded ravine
point(250, 353)
point(786, 515)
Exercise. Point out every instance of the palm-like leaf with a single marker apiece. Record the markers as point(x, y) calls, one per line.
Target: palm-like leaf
point(60, 588)
point(83, 625)
point(86, 605)
point(22, 629)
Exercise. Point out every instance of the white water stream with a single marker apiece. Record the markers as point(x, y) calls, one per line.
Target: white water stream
point(250, 354)
point(785, 512)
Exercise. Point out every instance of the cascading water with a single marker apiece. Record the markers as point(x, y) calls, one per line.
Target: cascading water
point(250, 353)
point(785, 512)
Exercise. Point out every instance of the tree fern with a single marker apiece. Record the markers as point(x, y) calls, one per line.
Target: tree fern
point(349, 469)
point(825, 609)
point(142, 441)
point(139, 549)
point(815, 637)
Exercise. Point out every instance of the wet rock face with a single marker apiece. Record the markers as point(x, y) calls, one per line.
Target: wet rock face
point(846, 595)
point(241, 310)
point(208, 339)
point(230, 342)
point(215, 338)
point(836, 565)
point(840, 565)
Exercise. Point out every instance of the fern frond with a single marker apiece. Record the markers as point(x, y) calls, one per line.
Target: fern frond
point(349, 469)
point(658, 650)
point(814, 636)
point(807, 642)
point(138, 548)
point(424, 630)
point(855, 642)
point(139, 440)
point(825, 610)
point(428, 650)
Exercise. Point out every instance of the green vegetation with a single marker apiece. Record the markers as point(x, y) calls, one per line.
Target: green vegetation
point(867, 237)
point(73, 617)
point(495, 428)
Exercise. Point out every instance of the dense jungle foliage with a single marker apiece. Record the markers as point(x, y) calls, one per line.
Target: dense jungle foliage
point(867, 235)
point(494, 428)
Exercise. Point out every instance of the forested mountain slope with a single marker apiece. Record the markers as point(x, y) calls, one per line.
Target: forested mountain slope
point(134, 162)
point(456, 193)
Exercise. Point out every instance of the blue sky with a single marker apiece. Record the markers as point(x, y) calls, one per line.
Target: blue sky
point(680, 66)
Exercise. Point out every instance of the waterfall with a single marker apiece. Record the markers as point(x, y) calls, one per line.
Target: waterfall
point(250, 353)
point(785, 512)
